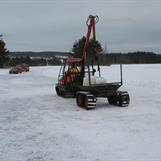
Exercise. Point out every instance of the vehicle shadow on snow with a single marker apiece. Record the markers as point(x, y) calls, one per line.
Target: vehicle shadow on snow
point(103, 105)
point(71, 104)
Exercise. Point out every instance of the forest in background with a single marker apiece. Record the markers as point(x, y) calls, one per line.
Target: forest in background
point(54, 58)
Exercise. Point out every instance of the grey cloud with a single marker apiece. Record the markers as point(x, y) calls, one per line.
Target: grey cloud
point(124, 25)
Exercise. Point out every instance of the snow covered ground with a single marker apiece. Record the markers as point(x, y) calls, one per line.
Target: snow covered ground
point(37, 125)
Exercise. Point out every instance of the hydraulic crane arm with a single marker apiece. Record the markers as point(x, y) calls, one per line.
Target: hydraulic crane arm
point(91, 21)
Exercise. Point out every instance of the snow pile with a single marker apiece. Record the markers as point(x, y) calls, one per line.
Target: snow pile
point(94, 80)
point(37, 125)
point(100, 80)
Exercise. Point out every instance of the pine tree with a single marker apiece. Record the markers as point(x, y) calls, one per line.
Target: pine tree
point(3, 53)
point(94, 48)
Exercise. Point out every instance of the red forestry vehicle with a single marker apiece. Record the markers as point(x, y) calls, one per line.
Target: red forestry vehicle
point(76, 79)
point(19, 69)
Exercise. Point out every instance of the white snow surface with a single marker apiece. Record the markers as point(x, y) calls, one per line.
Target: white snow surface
point(37, 125)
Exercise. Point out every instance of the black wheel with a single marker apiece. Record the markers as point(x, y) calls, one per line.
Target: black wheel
point(79, 100)
point(86, 102)
point(58, 91)
point(112, 99)
point(120, 101)
point(63, 93)
point(123, 99)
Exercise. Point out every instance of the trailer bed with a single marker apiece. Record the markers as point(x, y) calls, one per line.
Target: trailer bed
point(101, 90)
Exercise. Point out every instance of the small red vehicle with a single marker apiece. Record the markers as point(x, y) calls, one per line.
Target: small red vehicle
point(19, 69)
point(25, 67)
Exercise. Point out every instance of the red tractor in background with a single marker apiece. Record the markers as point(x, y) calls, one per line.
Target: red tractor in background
point(19, 69)
point(76, 79)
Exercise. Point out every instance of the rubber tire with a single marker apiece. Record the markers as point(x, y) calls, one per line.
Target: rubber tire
point(57, 91)
point(120, 100)
point(111, 100)
point(86, 102)
point(79, 100)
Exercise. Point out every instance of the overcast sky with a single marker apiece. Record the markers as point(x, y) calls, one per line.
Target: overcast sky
point(45, 25)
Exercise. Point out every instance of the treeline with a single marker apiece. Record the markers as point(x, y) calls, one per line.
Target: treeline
point(130, 58)
point(44, 54)
point(104, 59)
point(33, 61)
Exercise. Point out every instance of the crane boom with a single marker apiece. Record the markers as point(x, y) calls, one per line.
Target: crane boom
point(92, 20)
